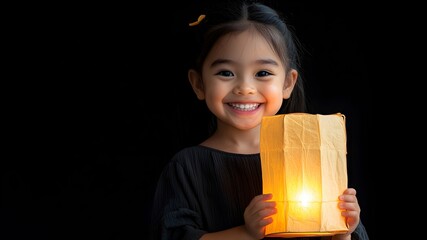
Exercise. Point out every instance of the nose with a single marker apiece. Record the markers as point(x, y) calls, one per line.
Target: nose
point(244, 87)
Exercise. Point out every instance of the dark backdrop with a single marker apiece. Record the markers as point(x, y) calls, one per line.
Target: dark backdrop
point(106, 104)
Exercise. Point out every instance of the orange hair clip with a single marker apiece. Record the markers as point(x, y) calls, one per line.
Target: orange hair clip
point(201, 17)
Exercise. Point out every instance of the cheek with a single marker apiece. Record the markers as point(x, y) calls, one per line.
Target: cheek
point(273, 91)
point(214, 95)
point(274, 97)
point(216, 90)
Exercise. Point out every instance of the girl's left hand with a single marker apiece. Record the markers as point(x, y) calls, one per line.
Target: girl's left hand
point(351, 211)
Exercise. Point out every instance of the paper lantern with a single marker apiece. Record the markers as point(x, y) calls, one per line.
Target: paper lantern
point(304, 166)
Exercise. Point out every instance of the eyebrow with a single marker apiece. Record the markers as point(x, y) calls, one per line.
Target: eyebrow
point(268, 61)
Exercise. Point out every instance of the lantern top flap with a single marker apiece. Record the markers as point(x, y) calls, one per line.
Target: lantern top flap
point(304, 130)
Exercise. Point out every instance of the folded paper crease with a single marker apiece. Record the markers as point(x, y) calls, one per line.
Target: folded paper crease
point(303, 160)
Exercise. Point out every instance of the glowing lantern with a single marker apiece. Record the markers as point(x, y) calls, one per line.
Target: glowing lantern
point(304, 166)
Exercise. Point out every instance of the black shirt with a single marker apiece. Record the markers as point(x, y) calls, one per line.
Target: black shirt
point(207, 190)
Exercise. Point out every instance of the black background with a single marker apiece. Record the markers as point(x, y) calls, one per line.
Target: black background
point(106, 103)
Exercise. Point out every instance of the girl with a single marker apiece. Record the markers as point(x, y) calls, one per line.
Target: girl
point(247, 68)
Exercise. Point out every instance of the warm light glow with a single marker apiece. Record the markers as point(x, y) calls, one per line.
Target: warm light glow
point(303, 160)
point(305, 198)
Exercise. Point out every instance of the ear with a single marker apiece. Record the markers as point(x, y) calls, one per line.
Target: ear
point(196, 83)
point(291, 79)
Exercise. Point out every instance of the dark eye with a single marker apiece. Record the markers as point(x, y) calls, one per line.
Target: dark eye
point(225, 73)
point(263, 74)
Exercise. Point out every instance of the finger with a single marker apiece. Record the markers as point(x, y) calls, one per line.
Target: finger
point(265, 213)
point(349, 206)
point(350, 214)
point(350, 191)
point(263, 197)
point(261, 206)
point(266, 196)
point(264, 222)
point(348, 198)
point(263, 210)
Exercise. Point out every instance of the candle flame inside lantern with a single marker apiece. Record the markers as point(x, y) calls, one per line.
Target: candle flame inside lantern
point(305, 198)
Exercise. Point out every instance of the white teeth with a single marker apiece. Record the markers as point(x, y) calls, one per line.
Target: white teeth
point(245, 107)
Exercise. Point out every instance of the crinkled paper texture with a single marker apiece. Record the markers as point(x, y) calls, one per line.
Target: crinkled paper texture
point(304, 151)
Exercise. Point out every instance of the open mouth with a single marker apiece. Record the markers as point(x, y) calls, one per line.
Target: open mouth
point(244, 107)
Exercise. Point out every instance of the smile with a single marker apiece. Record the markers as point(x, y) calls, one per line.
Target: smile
point(244, 107)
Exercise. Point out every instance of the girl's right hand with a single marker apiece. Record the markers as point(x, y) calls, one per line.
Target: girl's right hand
point(257, 215)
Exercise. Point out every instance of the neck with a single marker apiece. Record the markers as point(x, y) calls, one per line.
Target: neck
point(234, 140)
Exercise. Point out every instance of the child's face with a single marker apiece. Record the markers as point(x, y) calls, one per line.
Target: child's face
point(244, 80)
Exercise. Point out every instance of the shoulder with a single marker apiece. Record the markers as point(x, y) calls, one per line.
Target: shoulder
point(201, 157)
point(189, 161)
point(200, 152)
point(190, 154)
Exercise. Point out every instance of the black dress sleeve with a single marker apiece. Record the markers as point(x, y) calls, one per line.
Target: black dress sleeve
point(360, 233)
point(175, 213)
